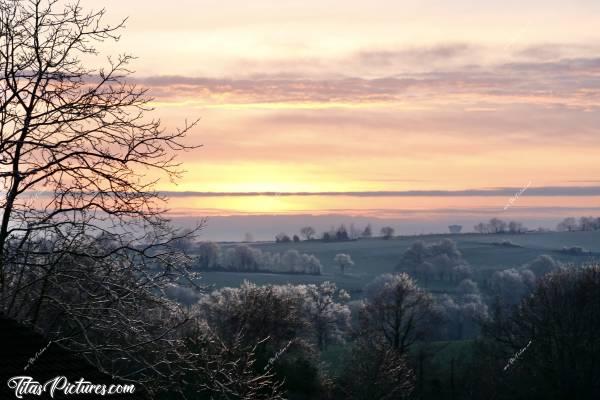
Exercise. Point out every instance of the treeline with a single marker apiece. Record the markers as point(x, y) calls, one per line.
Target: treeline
point(339, 234)
point(211, 256)
point(497, 225)
point(571, 224)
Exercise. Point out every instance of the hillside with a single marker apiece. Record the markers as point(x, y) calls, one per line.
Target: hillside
point(375, 256)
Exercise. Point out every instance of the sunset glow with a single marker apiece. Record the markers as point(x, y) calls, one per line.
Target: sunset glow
point(297, 97)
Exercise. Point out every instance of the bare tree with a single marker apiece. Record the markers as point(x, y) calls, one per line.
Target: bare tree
point(85, 251)
point(481, 228)
point(373, 371)
point(308, 232)
point(397, 311)
point(387, 232)
point(567, 225)
point(497, 225)
point(79, 135)
point(588, 224)
point(516, 227)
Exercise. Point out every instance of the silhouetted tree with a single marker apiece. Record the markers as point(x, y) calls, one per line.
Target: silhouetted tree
point(308, 232)
point(497, 225)
point(397, 312)
point(555, 333)
point(588, 224)
point(481, 228)
point(455, 229)
point(387, 232)
point(516, 227)
point(342, 233)
point(373, 371)
point(567, 225)
point(282, 238)
point(82, 136)
point(367, 232)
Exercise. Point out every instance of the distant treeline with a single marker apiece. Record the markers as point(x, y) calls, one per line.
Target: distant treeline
point(570, 224)
point(580, 224)
point(339, 234)
point(496, 225)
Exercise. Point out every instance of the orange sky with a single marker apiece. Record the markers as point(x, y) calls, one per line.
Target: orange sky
point(381, 95)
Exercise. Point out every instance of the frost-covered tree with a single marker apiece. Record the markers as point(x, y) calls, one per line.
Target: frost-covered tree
point(241, 258)
point(463, 312)
point(344, 261)
point(208, 255)
point(259, 312)
point(510, 285)
point(327, 313)
point(293, 261)
point(542, 265)
point(288, 322)
point(438, 261)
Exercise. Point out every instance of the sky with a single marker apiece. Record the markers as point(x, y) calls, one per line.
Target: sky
point(347, 96)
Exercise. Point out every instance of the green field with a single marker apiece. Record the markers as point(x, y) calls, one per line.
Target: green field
point(376, 256)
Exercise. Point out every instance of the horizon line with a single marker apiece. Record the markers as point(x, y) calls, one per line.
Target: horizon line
point(501, 191)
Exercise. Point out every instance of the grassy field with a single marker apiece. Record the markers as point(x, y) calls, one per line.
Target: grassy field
point(373, 257)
